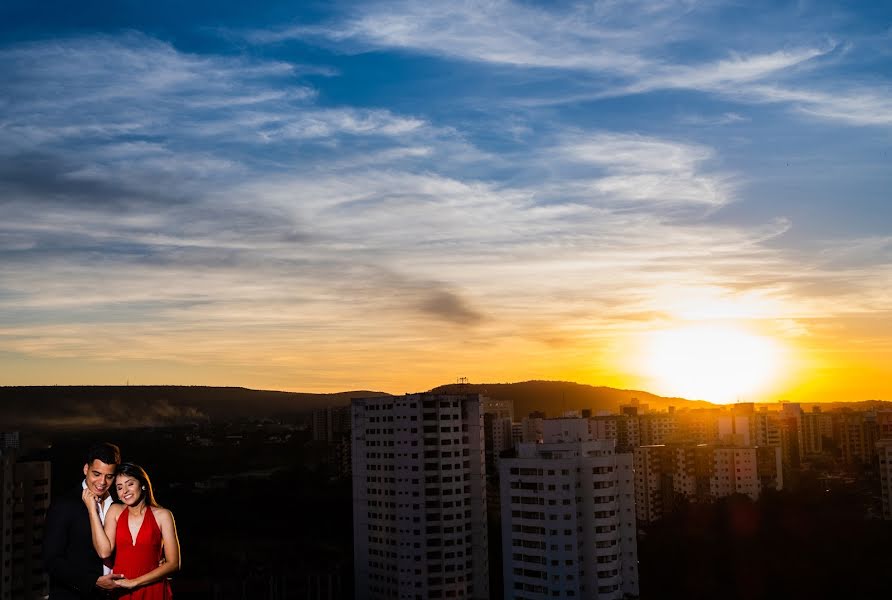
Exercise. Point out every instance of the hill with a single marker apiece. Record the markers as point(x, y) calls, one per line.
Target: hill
point(556, 397)
point(47, 407)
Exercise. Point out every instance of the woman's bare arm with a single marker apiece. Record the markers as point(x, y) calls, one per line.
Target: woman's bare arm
point(103, 536)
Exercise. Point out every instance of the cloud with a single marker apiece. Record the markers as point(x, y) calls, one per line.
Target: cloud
point(499, 32)
point(211, 210)
point(727, 118)
point(857, 105)
point(104, 90)
point(737, 70)
point(450, 306)
point(609, 49)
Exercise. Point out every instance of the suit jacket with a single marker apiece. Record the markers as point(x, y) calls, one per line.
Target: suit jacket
point(68, 553)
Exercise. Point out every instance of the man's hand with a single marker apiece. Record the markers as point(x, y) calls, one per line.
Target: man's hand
point(125, 583)
point(107, 582)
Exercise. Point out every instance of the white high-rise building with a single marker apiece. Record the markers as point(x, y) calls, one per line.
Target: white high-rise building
point(568, 517)
point(419, 499)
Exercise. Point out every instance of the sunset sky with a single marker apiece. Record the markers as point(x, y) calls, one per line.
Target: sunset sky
point(691, 198)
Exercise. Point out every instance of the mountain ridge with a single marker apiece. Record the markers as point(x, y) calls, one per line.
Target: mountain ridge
point(48, 407)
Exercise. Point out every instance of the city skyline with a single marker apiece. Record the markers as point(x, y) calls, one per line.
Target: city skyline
point(681, 197)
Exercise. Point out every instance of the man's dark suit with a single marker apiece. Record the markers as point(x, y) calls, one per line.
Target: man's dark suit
point(68, 553)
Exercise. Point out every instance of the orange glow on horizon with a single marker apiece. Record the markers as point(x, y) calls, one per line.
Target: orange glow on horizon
point(715, 362)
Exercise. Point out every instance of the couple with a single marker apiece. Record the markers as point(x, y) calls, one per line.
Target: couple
point(84, 531)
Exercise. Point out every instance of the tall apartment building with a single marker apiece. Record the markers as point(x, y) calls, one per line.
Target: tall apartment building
point(816, 427)
point(10, 440)
point(24, 500)
point(623, 428)
point(884, 449)
point(766, 428)
point(331, 423)
point(498, 438)
point(701, 473)
point(7, 489)
point(653, 482)
point(856, 435)
point(503, 409)
point(697, 426)
point(568, 517)
point(884, 425)
point(497, 418)
point(419, 498)
point(532, 428)
point(736, 429)
point(656, 428)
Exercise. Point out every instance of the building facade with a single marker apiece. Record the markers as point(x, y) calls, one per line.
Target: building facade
point(665, 474)
point(568, 517)
point(884, 449)
point(24, 500)
point(419, 498)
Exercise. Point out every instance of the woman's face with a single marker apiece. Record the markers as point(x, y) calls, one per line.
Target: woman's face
point(129, 489)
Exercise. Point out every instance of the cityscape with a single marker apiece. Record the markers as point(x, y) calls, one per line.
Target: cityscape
point(400, 299)
point(452, 493)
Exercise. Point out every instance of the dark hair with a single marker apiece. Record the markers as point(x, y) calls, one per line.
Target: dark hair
point(104, 451)
point(138, 473)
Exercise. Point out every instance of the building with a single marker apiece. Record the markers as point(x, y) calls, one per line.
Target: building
point(855, 433)
point(419, 499)
point(665, 474)
point(568, 517)
point(331, 424)
point(656, 427)
point(498, 439)
point(624, 428)
point(24, 500)
point(884, 425)
point(766, 428)
point(884, 449)
point(735, 429)
point(10, 440)
point(697, 426)
point(503, 409)
point(816, 427)
point(532, 428)
point(653, 483)
point(497, 418)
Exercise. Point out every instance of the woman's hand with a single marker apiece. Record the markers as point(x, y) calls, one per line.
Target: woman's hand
point(125, 583)
point(90, 499)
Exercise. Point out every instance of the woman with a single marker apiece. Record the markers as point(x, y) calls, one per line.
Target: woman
point(139, 533)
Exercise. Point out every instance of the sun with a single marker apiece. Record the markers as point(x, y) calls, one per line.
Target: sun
point(718, 363)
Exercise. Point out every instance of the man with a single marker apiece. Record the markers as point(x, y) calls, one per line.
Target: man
point(75, 569)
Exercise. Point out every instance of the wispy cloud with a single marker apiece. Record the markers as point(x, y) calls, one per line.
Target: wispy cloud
point(727, 118)
point(214, 209)
point(614, 53)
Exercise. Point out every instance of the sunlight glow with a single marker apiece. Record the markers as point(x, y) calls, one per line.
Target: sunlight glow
point(717, 363)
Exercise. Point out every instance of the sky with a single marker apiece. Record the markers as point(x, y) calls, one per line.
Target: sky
point(325, 196)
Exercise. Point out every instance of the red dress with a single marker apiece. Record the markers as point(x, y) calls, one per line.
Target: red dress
point(135, 559)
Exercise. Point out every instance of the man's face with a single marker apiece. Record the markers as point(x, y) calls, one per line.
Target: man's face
point(99, 477)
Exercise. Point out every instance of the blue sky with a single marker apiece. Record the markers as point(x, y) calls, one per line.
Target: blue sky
point(389, 195)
